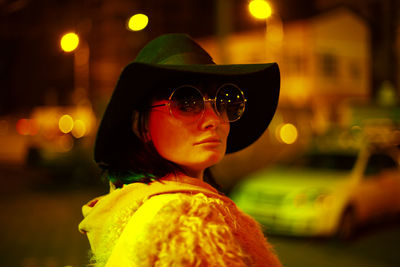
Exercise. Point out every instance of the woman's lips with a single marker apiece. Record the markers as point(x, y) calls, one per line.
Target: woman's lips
point(210, 140)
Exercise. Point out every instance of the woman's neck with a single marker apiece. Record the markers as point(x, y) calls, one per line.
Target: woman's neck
point(189, 173)
point(197, 174)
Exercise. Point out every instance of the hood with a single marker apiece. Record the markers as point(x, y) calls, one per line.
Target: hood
point(291, 179)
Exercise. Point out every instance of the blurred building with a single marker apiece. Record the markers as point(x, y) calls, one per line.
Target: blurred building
point(326, 83)
point(323, 60)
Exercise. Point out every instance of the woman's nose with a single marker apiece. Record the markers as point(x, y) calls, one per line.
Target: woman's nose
point(210, 118)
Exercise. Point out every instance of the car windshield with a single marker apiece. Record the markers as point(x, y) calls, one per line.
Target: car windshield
point(325, 161)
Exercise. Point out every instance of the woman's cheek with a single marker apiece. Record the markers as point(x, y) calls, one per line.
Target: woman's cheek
point(226, 127)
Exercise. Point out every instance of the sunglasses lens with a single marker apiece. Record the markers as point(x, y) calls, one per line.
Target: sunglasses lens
point(230, 102)
point(187, 103)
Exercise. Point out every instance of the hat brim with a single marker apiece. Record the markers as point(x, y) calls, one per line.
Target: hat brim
point(259, 82)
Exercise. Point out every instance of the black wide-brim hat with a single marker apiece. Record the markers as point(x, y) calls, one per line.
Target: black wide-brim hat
point(173, 59)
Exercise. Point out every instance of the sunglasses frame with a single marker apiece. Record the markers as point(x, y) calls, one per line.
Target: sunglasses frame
point(213, 100)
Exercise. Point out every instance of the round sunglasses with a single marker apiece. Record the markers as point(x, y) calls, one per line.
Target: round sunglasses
point(188, 103)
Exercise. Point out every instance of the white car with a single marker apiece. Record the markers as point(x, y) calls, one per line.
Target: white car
point(323, 194)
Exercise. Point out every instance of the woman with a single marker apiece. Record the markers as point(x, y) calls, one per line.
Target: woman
point(173, 114)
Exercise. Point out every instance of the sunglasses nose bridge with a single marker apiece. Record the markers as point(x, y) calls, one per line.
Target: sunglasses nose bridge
point(213, 103)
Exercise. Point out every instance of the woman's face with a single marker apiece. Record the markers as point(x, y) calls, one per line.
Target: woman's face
point(194, 146)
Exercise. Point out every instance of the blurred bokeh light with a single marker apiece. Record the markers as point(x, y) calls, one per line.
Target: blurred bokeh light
point(79, 129)
point(287, 133)
point(260, 9)
point(66, 124)
point(27, 127)
point(69, 42)
point(138, 22)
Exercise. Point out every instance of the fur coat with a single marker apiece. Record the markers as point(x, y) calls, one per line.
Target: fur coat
point(172, 222)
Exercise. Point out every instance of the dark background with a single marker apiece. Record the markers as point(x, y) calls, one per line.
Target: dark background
point(32, 65)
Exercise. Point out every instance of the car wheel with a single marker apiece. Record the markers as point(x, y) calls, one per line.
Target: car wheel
point(347, 225)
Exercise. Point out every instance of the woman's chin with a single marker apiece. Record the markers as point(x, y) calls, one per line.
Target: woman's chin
point(210, 159)
point(202, 161)
point(212, 153)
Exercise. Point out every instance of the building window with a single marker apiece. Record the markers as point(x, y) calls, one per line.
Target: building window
point(296, 64)
point(329, 65)
point(355, 72)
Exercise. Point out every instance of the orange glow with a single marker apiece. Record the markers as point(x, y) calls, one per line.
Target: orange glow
point(27, 127)
point(275, 31)
point(64, 143)
point(66, 124)
point(69, 42)
point(82, 56)
point(260, 9)
point(3, 127)
point(33, 127)
point(23, 126)
point(138, 22)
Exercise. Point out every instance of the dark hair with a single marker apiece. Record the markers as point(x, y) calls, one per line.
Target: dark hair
point(142, 165)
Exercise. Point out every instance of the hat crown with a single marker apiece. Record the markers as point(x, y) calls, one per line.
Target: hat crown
point(173, 49)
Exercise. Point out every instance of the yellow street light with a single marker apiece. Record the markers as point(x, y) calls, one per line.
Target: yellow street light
point(287, 133)
point(66, 123)
point(260, 9)
point(138, 22)
point(69, 42)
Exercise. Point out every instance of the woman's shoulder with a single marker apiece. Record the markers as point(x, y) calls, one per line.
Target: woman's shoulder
point(167, 218)
point(179, 229)
point(191, 229)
